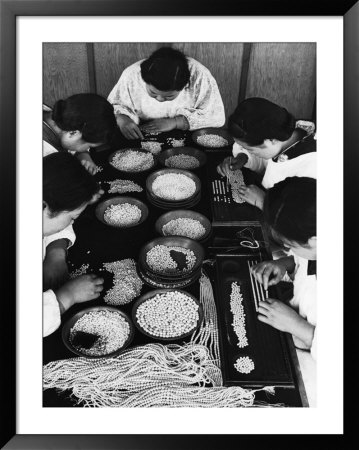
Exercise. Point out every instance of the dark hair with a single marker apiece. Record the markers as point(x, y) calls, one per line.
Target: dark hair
point(256, 119)
point(91, 114)
point(67, 185)
point(290, 209)
point(166, 69)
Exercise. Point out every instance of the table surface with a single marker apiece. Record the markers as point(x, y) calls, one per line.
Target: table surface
point(97, 243)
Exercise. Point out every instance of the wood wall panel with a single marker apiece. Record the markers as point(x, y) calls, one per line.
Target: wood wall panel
point(284, 73)
point(224, 60)
point(112, 58)
point(65, 71)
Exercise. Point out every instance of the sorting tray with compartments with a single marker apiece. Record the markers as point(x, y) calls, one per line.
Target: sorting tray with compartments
point(224, 209)
point(267, 347)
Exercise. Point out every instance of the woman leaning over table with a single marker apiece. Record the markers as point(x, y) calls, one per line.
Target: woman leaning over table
point(67, 190)
point(77, 124)
point(167, 91)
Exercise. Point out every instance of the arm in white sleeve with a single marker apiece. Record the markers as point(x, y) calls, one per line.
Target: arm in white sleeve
point(208, 109)
point(254, 163)
point(120, 96)
point(51, 313)
point(66, 233)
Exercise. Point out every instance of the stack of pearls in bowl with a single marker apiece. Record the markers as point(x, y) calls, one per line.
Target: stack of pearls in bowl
point(173, 186)
point(159, 259)
point(111, 327)
point(184, 226)
point(212, 140)
point(132, 161)
point(182, 161)
point(123, 214)
point(168, 315)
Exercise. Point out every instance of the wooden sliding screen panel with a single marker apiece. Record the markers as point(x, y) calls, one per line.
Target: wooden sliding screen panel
point(284, 73)
point(112, 58)
point(65, 71)
point(224, 60)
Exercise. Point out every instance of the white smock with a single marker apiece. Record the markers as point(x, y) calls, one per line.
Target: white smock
point(200, 101)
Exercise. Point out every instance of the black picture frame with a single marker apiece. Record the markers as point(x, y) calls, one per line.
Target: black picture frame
point(9, 10)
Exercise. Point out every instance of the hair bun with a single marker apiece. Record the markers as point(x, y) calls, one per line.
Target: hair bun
point(58, 110)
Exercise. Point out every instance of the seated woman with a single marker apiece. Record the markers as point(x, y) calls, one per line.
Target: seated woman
point(269, 141)
point(290, 212)
point(67, 190)
point(167, 91)
point(77, 124)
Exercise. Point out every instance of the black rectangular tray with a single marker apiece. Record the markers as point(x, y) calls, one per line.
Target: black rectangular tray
point(224, 209)
point(267, 347)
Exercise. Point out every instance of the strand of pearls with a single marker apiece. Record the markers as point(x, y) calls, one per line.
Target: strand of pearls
point(152, 375)
point(208, 334)
point(237, 309)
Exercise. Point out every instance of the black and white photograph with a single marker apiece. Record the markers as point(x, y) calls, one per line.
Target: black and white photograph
point(164, 279)
point(179, 224)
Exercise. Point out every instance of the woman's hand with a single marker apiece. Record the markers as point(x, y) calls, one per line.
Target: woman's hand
point(252, 194)
point(284, 318)
point(96, 196)
point(159, 125)
point(232, 163)
point(128, 127)
point(79, 290)
point(87, 162)
point(269, 273)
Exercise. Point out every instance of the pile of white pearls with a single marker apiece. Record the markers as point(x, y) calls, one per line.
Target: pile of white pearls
point(122, 186)
point(123, 214)
point(212, 140)
point(152, 146)
point(132, 161)
point(81, 271)
point(175, 142)
point(182, 161)
point(173, 186)
point(111, 328)
point(244, 364)
point(183, 226)
point(239, 316)
point(159, 259)
point(127, 284)
point(168, 315)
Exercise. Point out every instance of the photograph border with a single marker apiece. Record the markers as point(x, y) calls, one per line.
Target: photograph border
point(9, 11)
